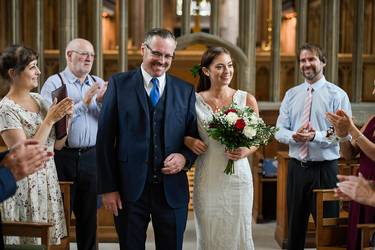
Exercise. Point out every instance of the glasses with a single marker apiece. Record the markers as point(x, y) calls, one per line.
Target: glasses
point(83, 53)
point(159, 55)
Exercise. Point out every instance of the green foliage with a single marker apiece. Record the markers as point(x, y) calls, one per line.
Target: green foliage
point(195, 70)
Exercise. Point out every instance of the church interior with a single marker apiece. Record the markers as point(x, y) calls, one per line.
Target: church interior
point(263, 37)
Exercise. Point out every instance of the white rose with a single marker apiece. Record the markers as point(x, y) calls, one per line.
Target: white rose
point(249, 132)
point(231, 118)
point(253, 120)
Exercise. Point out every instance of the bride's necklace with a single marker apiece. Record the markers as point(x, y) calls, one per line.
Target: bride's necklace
point(217, 103)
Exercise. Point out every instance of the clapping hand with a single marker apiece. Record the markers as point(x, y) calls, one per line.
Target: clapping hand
point(101, 92)
point(59, 110)
point(304, 134)
point(341, 122)
point(354, 188)
point(93, 90)
point(25, 158)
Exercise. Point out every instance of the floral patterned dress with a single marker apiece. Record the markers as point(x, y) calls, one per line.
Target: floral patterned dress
point(38, 197)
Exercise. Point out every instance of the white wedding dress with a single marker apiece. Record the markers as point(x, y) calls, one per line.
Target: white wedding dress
point(222, 203)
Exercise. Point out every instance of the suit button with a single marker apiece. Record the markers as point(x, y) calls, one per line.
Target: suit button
point(146, 162)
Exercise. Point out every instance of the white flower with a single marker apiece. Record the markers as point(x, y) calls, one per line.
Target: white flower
point(253, 120)
point(231, 118)
point(249, 132)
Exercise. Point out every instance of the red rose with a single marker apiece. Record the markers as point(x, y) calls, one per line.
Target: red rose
point(240, 124)
point(230, 110)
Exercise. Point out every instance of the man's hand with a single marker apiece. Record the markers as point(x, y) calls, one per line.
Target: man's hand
point(93, 90)
point(173, 164)
point(26, 158)
point(112, 202)
point(304, 134)
point(101, 92)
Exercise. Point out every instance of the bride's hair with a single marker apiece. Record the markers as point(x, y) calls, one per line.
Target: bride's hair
point(208, 56)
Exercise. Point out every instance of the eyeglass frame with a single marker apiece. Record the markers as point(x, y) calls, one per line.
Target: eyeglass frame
point(83, 53)
point(158, 54)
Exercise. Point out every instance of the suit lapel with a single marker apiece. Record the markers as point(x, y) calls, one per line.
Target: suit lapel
point(170, 108)
point(140, 90)
point(170, 90)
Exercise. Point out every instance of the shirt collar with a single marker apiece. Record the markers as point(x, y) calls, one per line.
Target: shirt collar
point(147, 78)
point(73, 79)
point(316, 85)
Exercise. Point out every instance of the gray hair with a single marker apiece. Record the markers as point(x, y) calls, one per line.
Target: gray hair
point(163, 33)
point(73, 44)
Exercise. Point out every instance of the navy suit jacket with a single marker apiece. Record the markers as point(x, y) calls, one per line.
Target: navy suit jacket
point(124, 136)
point(8, 185)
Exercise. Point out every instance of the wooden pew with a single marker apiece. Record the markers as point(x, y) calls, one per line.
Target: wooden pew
point(281, 231)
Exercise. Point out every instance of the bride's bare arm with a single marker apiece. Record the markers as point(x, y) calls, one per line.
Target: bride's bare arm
point(252, 103)
point(197, 146)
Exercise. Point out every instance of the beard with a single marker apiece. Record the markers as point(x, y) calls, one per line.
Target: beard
point(312, 73)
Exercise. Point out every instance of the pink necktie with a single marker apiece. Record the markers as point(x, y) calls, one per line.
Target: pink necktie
point(304, 149)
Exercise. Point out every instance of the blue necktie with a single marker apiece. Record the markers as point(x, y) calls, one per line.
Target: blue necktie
point(155, 93)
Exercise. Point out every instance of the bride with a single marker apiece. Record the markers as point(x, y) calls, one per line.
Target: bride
point(222, 203)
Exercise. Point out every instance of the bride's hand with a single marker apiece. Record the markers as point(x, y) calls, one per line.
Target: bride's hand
point(197, 146)
point(238, 153)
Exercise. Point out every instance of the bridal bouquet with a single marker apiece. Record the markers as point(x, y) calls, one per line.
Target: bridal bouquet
point(236, 127)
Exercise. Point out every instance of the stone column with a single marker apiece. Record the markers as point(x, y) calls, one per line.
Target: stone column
point(228, 20)
point(357, 80)
point(67, 27)
point(214, 17)
point(247, 42)
point(137, 24)
point(15, 22)
point(153, 14)
point(186, 18)
point(301, 34)
point(39, 35)
point(275, 51)
point(329, 31)
point(97, 38)
point(123, 37)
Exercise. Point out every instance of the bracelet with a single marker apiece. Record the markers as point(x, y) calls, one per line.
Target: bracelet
point(358, 137)
point(344, 138)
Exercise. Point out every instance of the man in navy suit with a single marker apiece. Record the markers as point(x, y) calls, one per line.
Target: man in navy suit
point(142, 160)
point(23, 159)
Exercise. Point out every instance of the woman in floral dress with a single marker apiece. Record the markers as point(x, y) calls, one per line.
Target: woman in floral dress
point(23, 114)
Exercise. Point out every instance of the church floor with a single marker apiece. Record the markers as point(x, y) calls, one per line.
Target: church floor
point(263, 235)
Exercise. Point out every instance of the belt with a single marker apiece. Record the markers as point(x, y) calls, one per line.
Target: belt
point(306, 164)
point(79, 150)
